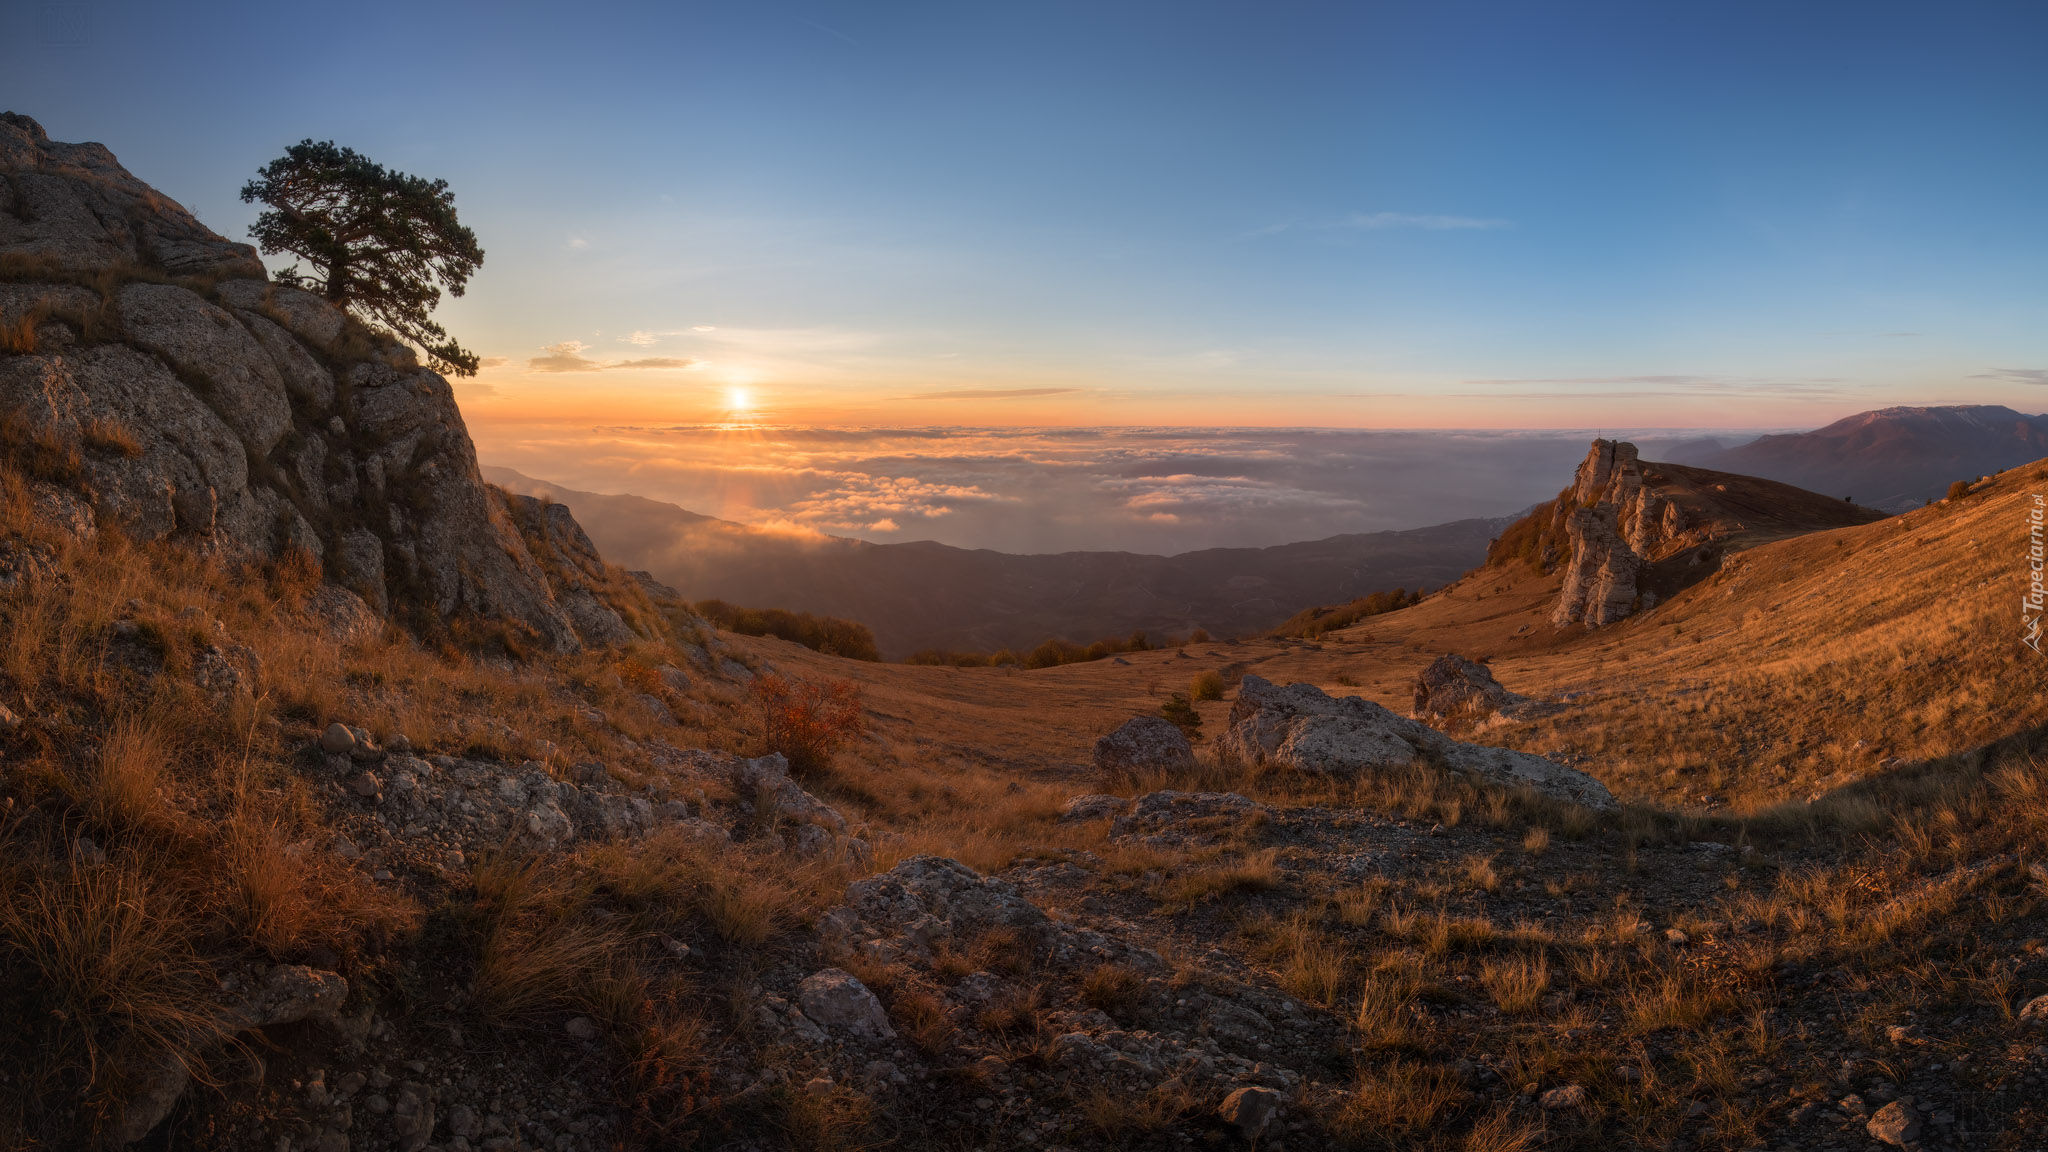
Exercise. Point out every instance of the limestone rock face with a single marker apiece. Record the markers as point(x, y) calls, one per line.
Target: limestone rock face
point(203, 401)
point(1616, 520)
point(1299, 727)
point(1632, 533)
point(575, 573)
point(76, 207)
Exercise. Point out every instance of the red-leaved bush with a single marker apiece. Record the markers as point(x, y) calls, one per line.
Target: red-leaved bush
point(807, 721)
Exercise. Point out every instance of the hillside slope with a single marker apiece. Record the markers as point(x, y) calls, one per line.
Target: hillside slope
point(929, 595)
point(1801, 665)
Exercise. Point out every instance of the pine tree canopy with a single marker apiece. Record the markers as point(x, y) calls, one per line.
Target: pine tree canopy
point(380, 243)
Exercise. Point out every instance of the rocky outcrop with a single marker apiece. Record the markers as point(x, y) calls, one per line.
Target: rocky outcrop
point(1454, 691)
point(578, 578)
point(151, 367)
point(1300, 728)
point(1143, 746)
point(287, 994)
point(74, 206)
point(1631, 533)
point(1613, 519)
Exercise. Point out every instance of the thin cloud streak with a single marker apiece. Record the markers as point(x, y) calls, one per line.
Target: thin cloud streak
point(989, 394)
point(568, 357)
point(1431, 223)
point(2037, 376)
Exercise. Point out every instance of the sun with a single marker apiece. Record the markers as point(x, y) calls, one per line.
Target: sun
point(740, 399)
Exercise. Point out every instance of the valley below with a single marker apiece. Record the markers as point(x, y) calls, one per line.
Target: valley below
point(351, 801)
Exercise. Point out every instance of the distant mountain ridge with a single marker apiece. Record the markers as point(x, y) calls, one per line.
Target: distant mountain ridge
point(1891, 458)
point(930, 595)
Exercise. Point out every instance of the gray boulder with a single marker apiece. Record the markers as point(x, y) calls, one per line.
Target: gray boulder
point(765, 780)
point(1094, 806)
point(1143, 746)
point(1250, 1109)
point(1302, 729)
point(839, 1002)
point(933, 897)
point(1186, 812)
point(1455, 691)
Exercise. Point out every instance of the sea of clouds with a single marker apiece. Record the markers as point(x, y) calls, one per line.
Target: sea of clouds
point(1157, 490)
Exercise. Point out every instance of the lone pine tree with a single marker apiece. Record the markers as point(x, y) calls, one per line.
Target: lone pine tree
point(377, 240)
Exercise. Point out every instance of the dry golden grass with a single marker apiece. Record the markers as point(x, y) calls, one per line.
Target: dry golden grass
point(1517, 983)
point(838, 1119)
point(1397, 1105)
point(1115, 1116)
point(121, 792)
point(1255, 872)
point(924, 1020)
point(1385, 1019)
point(1114, 989)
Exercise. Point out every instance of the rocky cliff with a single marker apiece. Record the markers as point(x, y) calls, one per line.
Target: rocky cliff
point(1629, 533)
point(149, 368)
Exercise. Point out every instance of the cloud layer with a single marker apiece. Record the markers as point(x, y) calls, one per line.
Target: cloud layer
point(1164, 490)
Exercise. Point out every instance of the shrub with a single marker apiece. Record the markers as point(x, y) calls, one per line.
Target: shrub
point(1050, 653)
point(827, 634)
point(1207, 686)
point(807, 721)
point(1958, 490)
point(1183, 715)
point(1310, 623)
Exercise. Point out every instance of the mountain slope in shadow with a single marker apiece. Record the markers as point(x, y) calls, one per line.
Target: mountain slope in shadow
point(930, 595)
point(1890, 458)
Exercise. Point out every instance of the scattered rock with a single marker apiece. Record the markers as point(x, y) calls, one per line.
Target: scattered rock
point(582, 1028)
point(836, 1000)
point(1144, 746)
point(1093, 807)
point(2035, 1011)
point(1454, 692)
point(1186, 812)
point(1249, 1110)
point(288, 994)
point(1572, 1096)
point(1896, 1124)
point(337, 740)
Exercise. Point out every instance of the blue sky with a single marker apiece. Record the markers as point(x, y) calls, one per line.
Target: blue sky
point(1420, 214)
